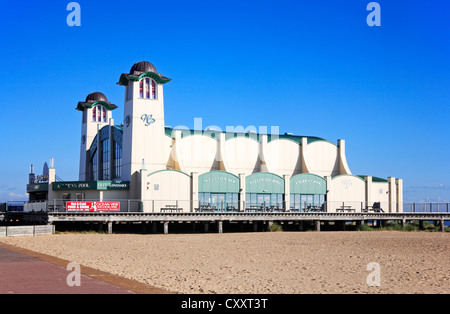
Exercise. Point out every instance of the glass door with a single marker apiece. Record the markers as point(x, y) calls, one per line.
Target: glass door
point(218, 201)
point(214, 201)
point(303, 203)
point(221, 202)
point(267, 201)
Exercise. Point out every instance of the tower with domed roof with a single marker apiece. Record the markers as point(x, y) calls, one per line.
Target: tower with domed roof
point(97, 112)
point(143, 130)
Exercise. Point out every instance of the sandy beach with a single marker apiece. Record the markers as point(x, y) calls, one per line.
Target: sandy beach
point(273, 263)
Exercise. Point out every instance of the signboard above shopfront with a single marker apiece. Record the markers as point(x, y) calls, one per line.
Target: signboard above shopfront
point(308, 183)
point(91, 185)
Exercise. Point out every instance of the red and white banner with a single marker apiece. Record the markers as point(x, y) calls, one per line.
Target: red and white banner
point(92, 206)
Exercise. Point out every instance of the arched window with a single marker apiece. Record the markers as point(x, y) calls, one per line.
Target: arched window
point(99, 114)
point(147, 88)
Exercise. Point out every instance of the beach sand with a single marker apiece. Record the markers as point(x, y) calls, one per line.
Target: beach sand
point(260, 263)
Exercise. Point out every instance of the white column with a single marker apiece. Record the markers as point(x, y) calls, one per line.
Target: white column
point(369, 200)
point(144, 191)
point(242, 191)
point(392, 195)
point(194, 191)
point(399, 183)
point(287, 192)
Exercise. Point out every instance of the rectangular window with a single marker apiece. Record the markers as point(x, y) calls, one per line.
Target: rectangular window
point(236, 201)
point(253, 199)
point(297, 202)
point(105, 160)
point(141, 89)
point(153, 89)
point(274, 200)
point(303, 202)
point(221, 201)
point(117, 160)
point(147, 88)
point(104, 114)
point(309, 200)
point(280, 201)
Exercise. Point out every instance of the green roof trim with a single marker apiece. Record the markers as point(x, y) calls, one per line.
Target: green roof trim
point(375, 179)
point(126, 78)
point(255, 136)
point(165, 170)
point(81, 105)
point(348, 175)
point(185, 133)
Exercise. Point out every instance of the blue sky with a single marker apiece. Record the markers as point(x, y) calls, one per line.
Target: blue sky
point(310, 67)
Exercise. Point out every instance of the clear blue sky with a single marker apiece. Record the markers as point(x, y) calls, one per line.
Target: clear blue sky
point(310, 67)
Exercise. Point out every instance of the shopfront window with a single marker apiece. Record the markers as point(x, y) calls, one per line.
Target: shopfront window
point(307, 202)
point(219, 201)
point(218, 191)
point(273, 201)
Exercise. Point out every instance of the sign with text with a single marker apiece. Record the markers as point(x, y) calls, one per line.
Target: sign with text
point(92, 206)
point(91, 185)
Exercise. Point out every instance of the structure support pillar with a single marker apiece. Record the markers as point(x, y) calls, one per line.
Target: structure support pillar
point(317, 223)
point(110, 226)
point(220, 226)
point(166, 227)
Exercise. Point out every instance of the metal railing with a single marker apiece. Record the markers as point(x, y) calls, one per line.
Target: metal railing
point(187, 206)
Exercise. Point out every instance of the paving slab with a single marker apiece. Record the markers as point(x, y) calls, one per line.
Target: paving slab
point(26, 272)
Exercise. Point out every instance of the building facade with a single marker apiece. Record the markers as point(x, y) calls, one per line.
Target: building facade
point(147, 166)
